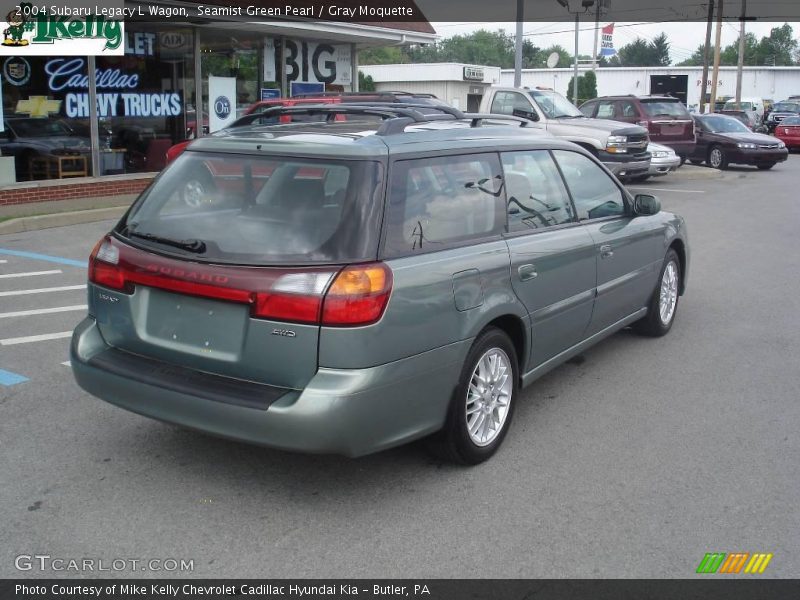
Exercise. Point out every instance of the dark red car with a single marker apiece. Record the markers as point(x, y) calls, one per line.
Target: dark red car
point(788, 131)
point(667, 120)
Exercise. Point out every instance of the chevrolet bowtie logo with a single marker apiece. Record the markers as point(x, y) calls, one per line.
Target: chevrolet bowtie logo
point(716, 562)
point(38, 106)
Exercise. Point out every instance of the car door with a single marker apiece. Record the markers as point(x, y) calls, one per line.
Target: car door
point(552, 255)
point(627, 112)
point(626, 247)
point(702, 140)
point(515, 104)
point(606, 109)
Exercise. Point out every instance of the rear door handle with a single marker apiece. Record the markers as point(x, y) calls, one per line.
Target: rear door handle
point(606, 251)
point(527, 272)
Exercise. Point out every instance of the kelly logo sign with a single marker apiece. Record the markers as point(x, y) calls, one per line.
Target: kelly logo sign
point(32, 31)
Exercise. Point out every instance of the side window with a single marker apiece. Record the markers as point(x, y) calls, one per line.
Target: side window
point(504, 103)
point(436, 203)
point(588, 109)
point(628, 109)
point(605, 110)
point(594, 192)
point(535, 191)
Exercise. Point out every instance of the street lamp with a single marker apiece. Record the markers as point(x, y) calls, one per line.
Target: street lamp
point(586, 5)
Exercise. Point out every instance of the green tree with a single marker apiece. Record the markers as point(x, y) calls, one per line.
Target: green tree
point(636, 54)
point(587, 87)
point(365, 82)
point(696, 59)
point(384, 55)
point(659, 49)
point(778, 48)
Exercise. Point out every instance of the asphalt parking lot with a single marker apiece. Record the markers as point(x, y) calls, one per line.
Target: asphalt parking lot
point(633, 460)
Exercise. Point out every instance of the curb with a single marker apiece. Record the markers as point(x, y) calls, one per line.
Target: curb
point(22, 224)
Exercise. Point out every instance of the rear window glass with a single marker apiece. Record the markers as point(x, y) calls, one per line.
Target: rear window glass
point(786, 107)
point(437, 203)
point(791, 121)
point(670, 108)
point(262, 210)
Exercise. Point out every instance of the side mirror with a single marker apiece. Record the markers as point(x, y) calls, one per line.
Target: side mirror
point(525, 114)
point(646, 204)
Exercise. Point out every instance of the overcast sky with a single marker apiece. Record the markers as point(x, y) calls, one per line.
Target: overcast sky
point(684, 37)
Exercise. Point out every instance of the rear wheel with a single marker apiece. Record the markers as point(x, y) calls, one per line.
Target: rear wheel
point(483, 403)
point(695, 161)
point(766, 167)
point(664, 301)
point(717, 158)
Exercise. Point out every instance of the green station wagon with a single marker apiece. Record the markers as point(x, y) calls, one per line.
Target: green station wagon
point(349, 286)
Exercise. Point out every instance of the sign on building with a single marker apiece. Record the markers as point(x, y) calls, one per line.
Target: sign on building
point(310, 62)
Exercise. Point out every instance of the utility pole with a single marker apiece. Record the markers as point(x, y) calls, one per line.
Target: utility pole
point(715, 73)
point(575, 77)
point(740, 65)
point(518, 45)
point(596, 33)
point(706, 48)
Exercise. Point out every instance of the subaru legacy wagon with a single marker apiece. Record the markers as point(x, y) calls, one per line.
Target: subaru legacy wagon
point(346, 287)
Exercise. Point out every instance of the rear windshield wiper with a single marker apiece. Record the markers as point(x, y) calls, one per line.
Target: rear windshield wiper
point(197, 246)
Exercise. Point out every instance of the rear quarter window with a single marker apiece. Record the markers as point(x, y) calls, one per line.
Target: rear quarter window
point(442, 202)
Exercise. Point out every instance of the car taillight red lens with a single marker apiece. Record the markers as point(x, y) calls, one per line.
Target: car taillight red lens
point(356, 295)
point(104, 266)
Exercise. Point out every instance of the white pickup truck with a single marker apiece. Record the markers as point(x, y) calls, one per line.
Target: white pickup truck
point(622, 147)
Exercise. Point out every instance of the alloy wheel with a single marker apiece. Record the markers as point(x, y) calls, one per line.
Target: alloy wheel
point(668, 294)
point(489, 396)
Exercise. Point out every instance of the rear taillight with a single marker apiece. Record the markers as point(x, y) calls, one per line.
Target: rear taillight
point(104, 266)
point(355, 295)
point(358, 295)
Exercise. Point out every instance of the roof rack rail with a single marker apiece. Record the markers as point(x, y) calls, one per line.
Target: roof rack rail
point(396, 116)
point(442, 108)
point(477, 119)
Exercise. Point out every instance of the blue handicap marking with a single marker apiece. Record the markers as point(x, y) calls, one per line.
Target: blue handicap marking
point(45, 257)
point(8, 378)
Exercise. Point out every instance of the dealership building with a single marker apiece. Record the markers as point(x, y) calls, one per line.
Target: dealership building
point(775, 83)
point(176, 80)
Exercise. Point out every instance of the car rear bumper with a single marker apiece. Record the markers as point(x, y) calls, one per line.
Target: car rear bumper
point(341, 411)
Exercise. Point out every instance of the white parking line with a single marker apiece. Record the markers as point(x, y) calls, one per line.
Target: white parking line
point(67, 363)
point(636, 187)
point(35, 338)
point(42, 311)
point(30, 274)
point(62, 288)
point(2, 262)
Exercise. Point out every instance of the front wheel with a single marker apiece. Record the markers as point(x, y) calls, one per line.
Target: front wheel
point(717, 158)
point(695, 161)
point(664, 301)
point(483, 403)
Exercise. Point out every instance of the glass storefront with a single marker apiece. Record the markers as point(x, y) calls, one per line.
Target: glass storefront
point(146, 99)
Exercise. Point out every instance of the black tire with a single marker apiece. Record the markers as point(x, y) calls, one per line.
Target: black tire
point(454, 443)
point(695, 161)
point(683, 161)
point(766, 167)
point(652, 324)
point(717, 161)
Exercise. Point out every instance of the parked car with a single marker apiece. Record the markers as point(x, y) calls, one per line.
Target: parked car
point(621, 147)
point(722, 140)
point(26, 138)
point(360, 296)
point(789, 132)
point(780, 111)
point(748, 118)
point(751, 104)
point(667, 120)
point(663, 161)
